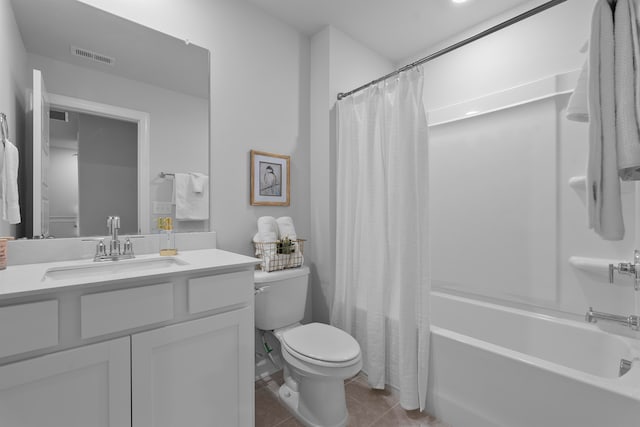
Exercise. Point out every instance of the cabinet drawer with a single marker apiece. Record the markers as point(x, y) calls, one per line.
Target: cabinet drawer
point(212, 292)
point(27, 327)
point(114, 311)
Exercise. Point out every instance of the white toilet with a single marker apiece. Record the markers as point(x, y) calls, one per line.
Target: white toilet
point(318, 357)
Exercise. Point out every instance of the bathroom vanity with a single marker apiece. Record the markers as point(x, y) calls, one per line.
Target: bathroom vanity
point(152, 341)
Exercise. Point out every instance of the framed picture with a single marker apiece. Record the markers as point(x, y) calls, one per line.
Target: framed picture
point(270, 179)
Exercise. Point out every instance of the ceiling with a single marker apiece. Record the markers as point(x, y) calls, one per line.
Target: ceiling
point(396, 29)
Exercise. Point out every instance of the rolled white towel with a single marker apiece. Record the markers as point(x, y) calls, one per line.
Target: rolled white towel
point(267, 233)
point(268, 229)
point(286, 228)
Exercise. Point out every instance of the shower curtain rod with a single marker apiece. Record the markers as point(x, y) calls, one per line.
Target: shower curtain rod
point(461, 43)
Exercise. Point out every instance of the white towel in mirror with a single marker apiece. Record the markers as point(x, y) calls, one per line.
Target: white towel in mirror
point(9, 187)
point(191, 193)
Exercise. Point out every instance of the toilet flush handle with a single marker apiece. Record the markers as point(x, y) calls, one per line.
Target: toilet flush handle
point(261, 289)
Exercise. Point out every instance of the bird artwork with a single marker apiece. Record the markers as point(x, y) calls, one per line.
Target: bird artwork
point(270, 182)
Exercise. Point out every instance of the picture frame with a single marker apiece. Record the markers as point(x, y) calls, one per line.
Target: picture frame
point(270, 179)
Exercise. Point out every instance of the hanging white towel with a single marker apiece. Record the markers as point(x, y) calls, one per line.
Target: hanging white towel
point(9, 178)
point(191, 193)
point(626, 79)
point(603, 185)
point(578, 108)
point(198, 181)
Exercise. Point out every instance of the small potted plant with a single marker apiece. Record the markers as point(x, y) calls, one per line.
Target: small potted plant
point(285, 246)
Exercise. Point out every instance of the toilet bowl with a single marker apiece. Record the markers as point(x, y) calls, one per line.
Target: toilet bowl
point(318, 357)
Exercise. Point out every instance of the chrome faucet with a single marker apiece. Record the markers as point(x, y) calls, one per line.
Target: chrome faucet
point(113, 225)
point(627, 268)
point(114, 253)
point(631, 321)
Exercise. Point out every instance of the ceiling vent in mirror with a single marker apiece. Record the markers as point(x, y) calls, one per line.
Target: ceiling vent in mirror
point(98, 57)
point(58, 115)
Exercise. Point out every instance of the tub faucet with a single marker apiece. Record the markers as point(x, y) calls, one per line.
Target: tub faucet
point(631, 321)
point(628, 268)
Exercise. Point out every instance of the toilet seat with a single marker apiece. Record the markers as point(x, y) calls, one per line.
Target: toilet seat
point(322, 345)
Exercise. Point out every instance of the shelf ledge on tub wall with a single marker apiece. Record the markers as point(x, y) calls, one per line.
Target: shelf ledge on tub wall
point(593, 265)
point(579, 184)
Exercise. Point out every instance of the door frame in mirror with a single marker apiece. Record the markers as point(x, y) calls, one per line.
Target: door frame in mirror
point(142, 119)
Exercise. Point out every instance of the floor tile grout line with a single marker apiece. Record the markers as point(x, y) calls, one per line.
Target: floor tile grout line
point(382, 416)
point(291, 417)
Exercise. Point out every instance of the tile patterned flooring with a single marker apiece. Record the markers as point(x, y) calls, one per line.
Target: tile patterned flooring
point(367, 408)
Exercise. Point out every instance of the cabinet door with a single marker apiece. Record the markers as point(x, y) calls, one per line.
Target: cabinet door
point(197, 373)
point(86, 386)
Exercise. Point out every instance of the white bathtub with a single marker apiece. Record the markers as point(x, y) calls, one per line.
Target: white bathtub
point(492, 365)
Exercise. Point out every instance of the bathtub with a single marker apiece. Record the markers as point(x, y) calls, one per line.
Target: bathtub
point(499, 366)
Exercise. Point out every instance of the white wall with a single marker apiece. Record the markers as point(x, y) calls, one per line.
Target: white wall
point(178, 122)
point(537, 47)
point(508, 221)
point(338, 64)
point(12, 92)
point(259, 100)
point(502, 210)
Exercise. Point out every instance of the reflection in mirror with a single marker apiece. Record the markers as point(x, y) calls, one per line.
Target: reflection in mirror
point(86, 150)
point(94, 58)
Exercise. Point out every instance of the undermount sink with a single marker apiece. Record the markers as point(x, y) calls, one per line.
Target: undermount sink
point(112, 267)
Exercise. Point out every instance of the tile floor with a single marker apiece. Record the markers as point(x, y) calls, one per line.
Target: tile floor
point(367, 408)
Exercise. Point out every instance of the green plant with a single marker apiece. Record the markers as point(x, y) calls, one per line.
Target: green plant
point(285, 246)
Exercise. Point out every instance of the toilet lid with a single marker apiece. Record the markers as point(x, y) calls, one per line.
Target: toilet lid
point(322, 342)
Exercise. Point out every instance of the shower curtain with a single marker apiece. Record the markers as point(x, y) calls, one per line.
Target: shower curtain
point(382, 258)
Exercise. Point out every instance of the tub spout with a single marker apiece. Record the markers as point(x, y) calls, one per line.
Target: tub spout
point(631, 321)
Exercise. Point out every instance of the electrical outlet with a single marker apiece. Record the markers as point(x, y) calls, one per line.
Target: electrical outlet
point(161, 208)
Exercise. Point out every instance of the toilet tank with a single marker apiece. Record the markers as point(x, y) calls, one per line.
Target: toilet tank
point(280, 297)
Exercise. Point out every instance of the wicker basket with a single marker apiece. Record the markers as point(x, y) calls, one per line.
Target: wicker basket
point(279, 255)
point(3, 251)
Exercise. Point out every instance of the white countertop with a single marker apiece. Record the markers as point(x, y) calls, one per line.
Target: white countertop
point(29, 279)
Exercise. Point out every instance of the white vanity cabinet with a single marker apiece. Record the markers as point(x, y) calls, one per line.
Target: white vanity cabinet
point(167, 349)
point(186, 374)
point(86, 386)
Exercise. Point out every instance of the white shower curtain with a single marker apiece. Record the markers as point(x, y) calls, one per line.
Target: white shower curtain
point(382, 258)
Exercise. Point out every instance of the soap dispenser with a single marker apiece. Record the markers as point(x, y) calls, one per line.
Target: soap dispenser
point(167, 237)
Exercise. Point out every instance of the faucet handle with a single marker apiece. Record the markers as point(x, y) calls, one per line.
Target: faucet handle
point(128, 247)
point(589, 316)
point(628, 268)
point(612, 268)
point(101, 249)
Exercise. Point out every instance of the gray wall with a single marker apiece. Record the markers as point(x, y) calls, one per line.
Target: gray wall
point(108, 161)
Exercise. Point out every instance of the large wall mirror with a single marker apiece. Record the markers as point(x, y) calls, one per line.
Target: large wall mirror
point(124, 107)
